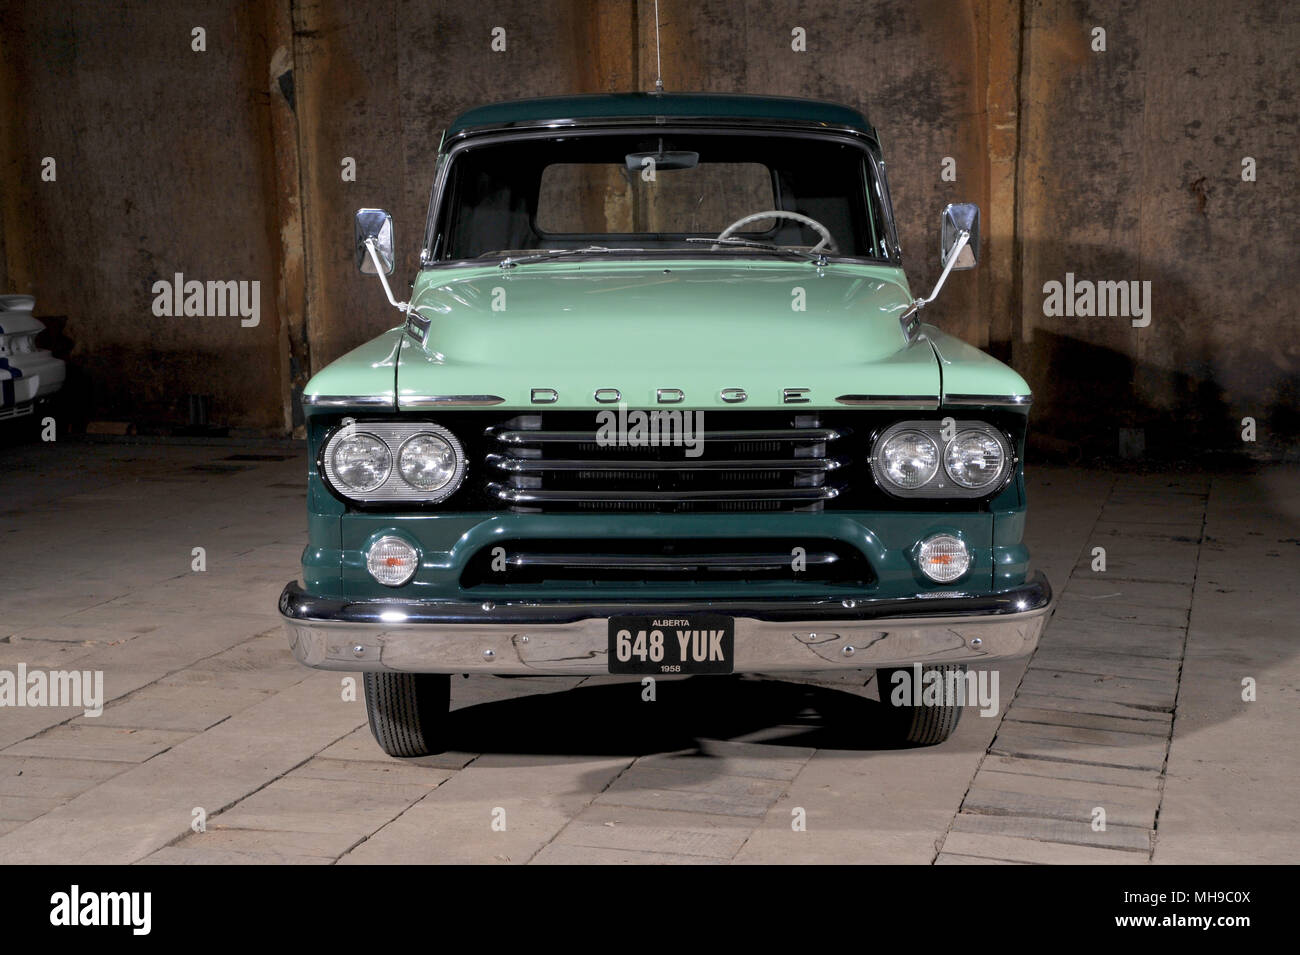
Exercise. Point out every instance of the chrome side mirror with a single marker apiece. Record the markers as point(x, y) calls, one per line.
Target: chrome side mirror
point(959, 248)
point(957, 218)
point(374, 238)
point(374, 229)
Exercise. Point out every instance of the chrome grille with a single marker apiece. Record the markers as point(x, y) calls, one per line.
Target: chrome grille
point(758, 461)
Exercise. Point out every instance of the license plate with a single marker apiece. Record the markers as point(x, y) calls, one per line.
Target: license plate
point(661, 645)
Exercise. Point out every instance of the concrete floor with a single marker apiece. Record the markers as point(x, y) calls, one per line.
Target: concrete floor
point(1133, 702)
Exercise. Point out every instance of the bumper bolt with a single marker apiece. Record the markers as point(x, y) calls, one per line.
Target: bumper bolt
point(489, 654)
point(848, 604)
point(358, 651)
point(848, 651)
point(488, 605)
point(976, 642)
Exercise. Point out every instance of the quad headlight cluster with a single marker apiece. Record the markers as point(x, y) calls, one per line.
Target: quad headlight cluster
point(925, 459)
point(382, 461)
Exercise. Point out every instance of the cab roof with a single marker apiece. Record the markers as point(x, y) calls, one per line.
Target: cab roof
point(654, 106)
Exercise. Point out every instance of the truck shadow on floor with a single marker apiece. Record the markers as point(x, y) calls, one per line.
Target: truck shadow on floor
point(614, 720)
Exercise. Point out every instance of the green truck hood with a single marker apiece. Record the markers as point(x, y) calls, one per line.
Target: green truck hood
point(639, 327)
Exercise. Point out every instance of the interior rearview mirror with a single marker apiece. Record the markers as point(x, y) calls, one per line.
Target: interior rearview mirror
point(679, 159)
point(374, 224)
point(959, 217)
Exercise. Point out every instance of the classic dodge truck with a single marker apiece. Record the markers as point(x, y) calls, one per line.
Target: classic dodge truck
point(661, 404)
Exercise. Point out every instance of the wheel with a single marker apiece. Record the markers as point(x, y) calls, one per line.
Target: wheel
point(408, 712)
point(918, 723)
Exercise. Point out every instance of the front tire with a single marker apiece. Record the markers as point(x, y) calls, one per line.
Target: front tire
point(919, 725)
point(409, 712)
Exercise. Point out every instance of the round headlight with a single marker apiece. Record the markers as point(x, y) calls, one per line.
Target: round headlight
point(428, 461)
point(392, 561)
point(974, 459)
point(909, 459)
point(361, 462)
point(943, 558)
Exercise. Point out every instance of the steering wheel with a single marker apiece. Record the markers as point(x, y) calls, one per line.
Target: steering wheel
point(827, 244)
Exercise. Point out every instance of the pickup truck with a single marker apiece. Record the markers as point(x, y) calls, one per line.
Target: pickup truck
point(661, 404)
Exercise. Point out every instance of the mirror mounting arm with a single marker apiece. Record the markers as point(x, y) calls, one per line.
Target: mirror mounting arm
point(909, 320)
point(917, 304)
point(379, 269)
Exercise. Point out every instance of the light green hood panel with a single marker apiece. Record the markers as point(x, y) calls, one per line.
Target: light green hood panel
point(639, 327)
point(968, 371)
point(369, 370)
point(644, 326)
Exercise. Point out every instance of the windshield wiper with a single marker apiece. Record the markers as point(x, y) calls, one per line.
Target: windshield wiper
point(510, 263)
point(818, 257)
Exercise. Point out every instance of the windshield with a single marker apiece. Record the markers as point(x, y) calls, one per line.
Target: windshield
point(620, 192)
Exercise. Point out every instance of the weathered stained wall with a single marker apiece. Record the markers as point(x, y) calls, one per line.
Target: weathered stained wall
point(1118, 165)
point(162, 167)
point(1131, 169)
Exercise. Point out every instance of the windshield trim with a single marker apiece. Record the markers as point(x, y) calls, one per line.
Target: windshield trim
point(623, 122)
point(846, 135)
point(745, 257)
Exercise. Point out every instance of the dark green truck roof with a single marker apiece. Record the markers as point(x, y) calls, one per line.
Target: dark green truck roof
point(624, 106)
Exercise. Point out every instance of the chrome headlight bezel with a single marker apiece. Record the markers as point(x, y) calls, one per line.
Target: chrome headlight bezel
point(941, 484)
point(395, 489)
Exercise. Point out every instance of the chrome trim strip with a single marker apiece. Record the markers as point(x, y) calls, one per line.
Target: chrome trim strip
point(543, 396)
point(988, 401)
point(737, 562)
point(514, 465)
point(800, 435)
point(669, 396)
point(418, 402)
point(519, 495)
point(782, 635)
point(899, 402)
point(611, 395)
point(347, 401)
point(297, 604)
point(650, 119)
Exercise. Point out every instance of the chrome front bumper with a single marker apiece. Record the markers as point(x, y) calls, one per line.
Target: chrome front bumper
point(549, 638)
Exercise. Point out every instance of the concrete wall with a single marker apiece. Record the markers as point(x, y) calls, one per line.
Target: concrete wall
point(161, 167)
point(1114, 165)
point(1131, 168)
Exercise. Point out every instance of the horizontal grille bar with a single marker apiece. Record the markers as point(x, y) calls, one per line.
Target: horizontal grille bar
point(518, 495)
point(799, 435)
point(516, 465)
point(648, 564)
point(736, 562)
